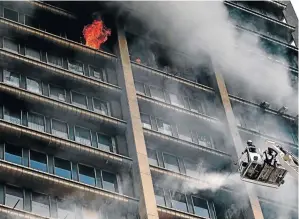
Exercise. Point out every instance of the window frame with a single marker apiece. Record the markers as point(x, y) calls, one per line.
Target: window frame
point(157, 119)
point(34, 79)
point(178, 127)
point(58, 120)
point(164, 196)
point(179, 97)
point(47, 60)
point(207, 202)
point(155, 153)
point(150, 120)
point(47, 160)
point(143, 85)
point(30, 57)
point(42, 194)
point(7, 49)
point(94, 171)
point(44, 119)
point(112, 141)
point(5, 82)
point(90, 134)
point(106, 103)
point(4, 155)
point(76, 105)
point(21, 116)
point(5, 191)
point(172, 193)
point(157, 88)
point(117, 189)
point(60, 200)
point(13, 11)
point(103, 73)
point(49, 90)
point(71, 171)
point(76, 61)
point(177, 159)
point(206, 135)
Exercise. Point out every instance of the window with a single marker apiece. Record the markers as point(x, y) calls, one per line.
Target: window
point(54, 60)
point(146, 122)
point(204, 140)
point(12, 115)
point(30, 21)
point(97, 73)
point(176, 100)
point(184, 134)
point(139, 87)
point(86, 175)
point(10, 45)
point(32, 53)
point(159, 194)
point(164, 127)
point(109, 181)
point(62, 168)
point(65, 211)
point(157, 94)
point(105, 142)
point(13, 154)
point(75, 67)
point(191, 169)
point(14, 197)
point(11, 78)
point(38, 161)
point(196, 106)
point(40, 204)
point(59, 129)
point(79, 100)
point(11, 15)
point(100, 106)
point(36, 122)
point(57, 93)
point(200, 207)
point(82, 136)
point(179, 201)
point(33, 86)
point(171, 163)
point(152, 157)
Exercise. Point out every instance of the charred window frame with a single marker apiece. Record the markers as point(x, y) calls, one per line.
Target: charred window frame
point(10, 14)
point(31, 21)
point(11, 78)
point(75, 66)
point(11, 45)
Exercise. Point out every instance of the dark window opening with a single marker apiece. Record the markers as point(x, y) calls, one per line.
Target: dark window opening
point(11, 15)
point(62, 168)
point(13, 154)
point(86, 175)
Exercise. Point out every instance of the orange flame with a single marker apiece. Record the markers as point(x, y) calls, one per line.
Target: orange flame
point(96, 34)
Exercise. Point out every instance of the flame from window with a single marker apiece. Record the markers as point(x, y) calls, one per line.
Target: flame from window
point(96, 34)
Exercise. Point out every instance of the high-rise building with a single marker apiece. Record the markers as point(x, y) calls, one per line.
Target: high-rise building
point(137, 128)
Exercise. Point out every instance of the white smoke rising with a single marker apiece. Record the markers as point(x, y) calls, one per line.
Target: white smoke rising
point(190, 26)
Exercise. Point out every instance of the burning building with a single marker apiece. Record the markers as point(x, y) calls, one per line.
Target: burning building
point(114, 117)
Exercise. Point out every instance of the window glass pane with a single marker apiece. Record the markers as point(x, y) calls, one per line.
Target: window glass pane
point(54, 60)
point(159, 194)
point(13, 116)
point(201, 207)
point(75, 67)
point(33, 86)
point(179, 202)
point(184, 134)
point(191, 169)
point(171, 163)
point(30, 21)
point(97, 73)
point(105, 142)
point(152, 157)
point(32, 53)
point(157, 94)
point(100, 106)
point(57, 93)
point(86, 175)
point(62, 168)
point(109, 181)
point(38, 161)
point(164, 127)
point(139, 87)
point(14, 197)
point(204, 140)
point(13, 154)
point(40, 205)
point(11, 78)
point(176, 100)
point(36, 122)
point(146, 123)
point(59, 129)
point(65, 210)
point(11, 15)
point(10, 45)
point(79, 100)
point(82, 136)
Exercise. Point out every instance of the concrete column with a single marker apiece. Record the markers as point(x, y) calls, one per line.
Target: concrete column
point(239, 145)
point(135, 139)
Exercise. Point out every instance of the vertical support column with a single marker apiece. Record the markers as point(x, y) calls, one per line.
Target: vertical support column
point(136, 143)
point(253, 199)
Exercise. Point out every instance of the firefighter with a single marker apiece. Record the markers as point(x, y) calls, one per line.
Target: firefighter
point(250, 147)
point(270, 157)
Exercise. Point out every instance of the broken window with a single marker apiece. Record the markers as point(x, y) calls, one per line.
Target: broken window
point(75, 67)
point(54, 60)
point(14, 197)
